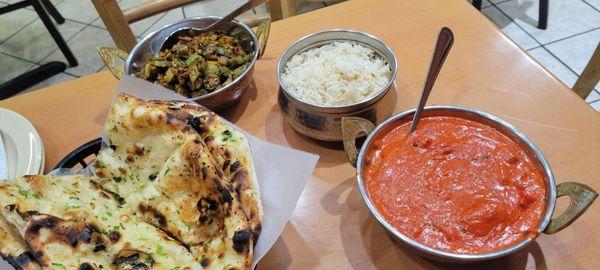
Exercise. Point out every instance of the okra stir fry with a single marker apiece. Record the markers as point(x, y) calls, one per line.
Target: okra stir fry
point(200, 64)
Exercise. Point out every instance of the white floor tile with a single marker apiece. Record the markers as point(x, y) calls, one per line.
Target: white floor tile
point(593, 96)
point(566, 18)
point(553, 65)
point(576, 51)
point(12, 67)
point(124, 5)
point(85, 49)
point(99, 23)
point(212, 7)
point(307, 6)
point(55, 2)
point(78, 10)
point(595, 3)
point(141, 26)
point(138, 27)
point(203, 8)
point(484, 3)
point(13, 21)
point(596, 106)
point(34, 41)
point(127, 4)
point(261, 9)
point(58, 78)
point(510, 28)
point(171, 16)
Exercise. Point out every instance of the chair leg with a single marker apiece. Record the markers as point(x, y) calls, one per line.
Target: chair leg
point(590, 75)
point(281, 9)
point(62, 45)
point(53, 12)
point(543, 18)
point(477, 4)
point(30, 78)
point(116, 24)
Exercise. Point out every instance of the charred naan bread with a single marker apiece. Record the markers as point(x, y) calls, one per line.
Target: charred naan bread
point(190, 200)
point(13, 249)
point(71, 222)
point(161, 165)
point(231, 150)
point(143, 134)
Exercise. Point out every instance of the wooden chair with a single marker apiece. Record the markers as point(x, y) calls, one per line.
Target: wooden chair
point(590, 75)
point(117, 21)
point(281, 9)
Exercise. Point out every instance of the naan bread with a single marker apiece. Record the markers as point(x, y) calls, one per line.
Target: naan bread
point(70, 222)
point(159, 163)
point(190, 200)
point(13, 249)
point(143, 133)
point(176, 189)
point(231, 150)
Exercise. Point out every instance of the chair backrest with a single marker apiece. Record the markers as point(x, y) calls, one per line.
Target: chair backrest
point(117, 21)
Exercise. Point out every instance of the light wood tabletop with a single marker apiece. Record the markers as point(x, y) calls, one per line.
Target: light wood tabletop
point(331, 227)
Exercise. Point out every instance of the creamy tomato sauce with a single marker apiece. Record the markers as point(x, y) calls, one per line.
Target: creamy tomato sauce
point(455, 185)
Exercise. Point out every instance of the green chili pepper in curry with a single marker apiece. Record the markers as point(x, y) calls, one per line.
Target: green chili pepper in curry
point(200, 64)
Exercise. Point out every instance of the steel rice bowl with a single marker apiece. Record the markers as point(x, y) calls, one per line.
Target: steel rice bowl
point(324, 122)
point(220, 98)
point(552, 191)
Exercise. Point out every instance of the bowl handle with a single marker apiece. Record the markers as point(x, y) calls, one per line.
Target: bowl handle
point(352, 127)
point(109, 56)
point(582, 196)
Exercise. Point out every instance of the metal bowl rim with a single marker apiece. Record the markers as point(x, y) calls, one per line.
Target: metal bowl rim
point(365, 102)
point(152, 34)
point(459, 256)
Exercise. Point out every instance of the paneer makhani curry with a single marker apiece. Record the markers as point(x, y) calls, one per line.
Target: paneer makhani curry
point(455, 185)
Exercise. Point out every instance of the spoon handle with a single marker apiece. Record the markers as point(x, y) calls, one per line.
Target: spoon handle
point(442, 48)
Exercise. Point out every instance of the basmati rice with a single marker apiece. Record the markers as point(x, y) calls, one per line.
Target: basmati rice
point(336, 74)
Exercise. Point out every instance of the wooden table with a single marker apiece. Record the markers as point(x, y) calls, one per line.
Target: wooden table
point(331, 228)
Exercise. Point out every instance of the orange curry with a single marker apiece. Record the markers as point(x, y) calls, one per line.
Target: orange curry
point(455, 185)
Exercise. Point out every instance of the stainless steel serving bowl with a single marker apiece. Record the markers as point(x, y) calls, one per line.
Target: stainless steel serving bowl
point(324, 122)
point(150, 45)
point(581, 195)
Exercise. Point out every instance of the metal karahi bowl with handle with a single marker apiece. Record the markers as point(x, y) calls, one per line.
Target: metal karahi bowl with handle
point(324, 122)
point(581, 196)
point(150, 46)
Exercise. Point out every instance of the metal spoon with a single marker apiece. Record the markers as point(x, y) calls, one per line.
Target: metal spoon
point(442, 48)
point(174, 37)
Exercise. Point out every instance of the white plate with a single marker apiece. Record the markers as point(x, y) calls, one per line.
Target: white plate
point(41, 170)
point(24, 149)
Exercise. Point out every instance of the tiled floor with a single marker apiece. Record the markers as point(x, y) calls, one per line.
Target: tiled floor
point(564, 48)
point(25, 42)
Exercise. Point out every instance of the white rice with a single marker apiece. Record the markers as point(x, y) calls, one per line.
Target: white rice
point(336, 74)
